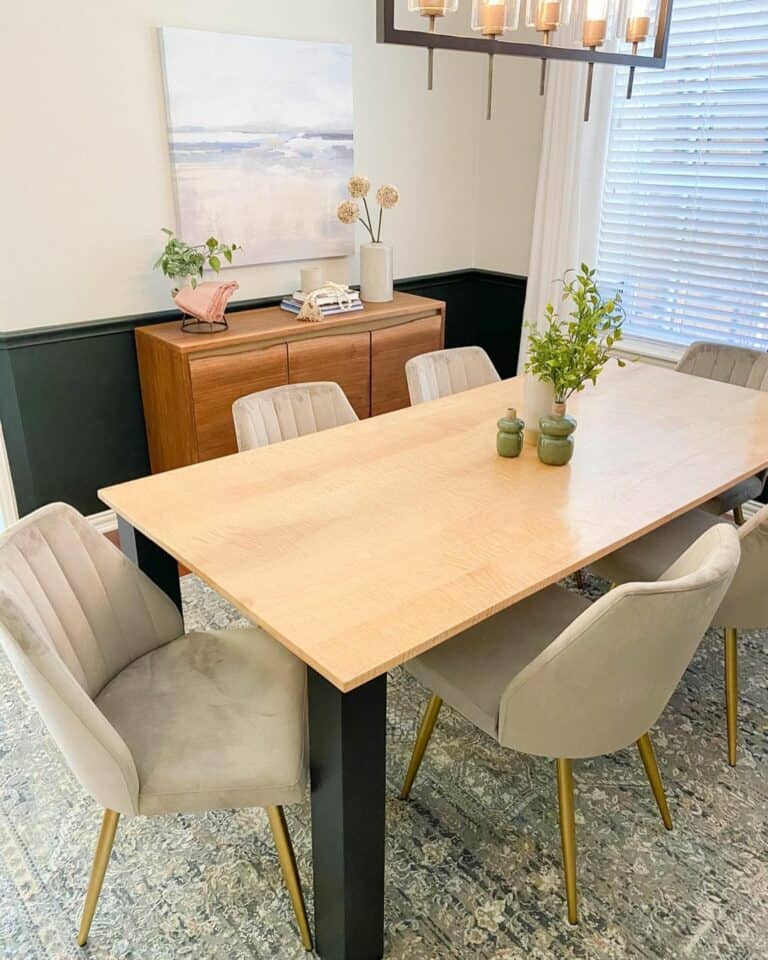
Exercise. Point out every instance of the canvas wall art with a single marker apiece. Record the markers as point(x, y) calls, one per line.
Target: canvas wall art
point(261, 142)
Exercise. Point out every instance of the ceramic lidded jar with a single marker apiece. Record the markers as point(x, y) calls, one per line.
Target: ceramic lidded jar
point(556, 442)
point(509, 441)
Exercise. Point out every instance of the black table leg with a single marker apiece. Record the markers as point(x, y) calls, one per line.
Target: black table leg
point(158, 565)
point(347, 737)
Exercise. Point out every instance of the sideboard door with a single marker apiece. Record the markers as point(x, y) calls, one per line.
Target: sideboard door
point(218, 381)
point(391, 349)
point(344, 359)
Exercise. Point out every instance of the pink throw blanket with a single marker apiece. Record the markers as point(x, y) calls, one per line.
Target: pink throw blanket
point(207, 301)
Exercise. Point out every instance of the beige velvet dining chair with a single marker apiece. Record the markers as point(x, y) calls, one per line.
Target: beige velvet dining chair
point(745, 606)
point(149, 719)
point(742, 368)
point(293, 410)
point(558, 677)
point(445, 372)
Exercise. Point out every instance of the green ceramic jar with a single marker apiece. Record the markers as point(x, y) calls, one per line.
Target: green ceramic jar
point(509, 441)
point(556, 437)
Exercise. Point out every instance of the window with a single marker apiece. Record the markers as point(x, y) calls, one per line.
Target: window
point(684, 227)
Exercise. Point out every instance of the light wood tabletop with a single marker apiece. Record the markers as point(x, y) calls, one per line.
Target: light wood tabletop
point(363, 546)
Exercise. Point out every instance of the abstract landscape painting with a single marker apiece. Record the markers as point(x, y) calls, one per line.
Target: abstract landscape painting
point(261, 142)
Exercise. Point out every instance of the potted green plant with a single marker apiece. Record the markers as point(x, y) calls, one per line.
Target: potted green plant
point(570, 352)
point(184, 262)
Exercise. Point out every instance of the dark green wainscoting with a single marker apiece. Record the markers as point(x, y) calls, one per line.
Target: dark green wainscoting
point(70, 403)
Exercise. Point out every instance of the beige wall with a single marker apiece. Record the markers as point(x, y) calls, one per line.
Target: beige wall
point(508, 154)
point(85, 181)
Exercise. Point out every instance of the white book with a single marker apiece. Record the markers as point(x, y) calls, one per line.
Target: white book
point(326, 311)
point(331, 300)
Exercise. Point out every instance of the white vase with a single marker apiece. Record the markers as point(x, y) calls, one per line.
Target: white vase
point(181, 283)
point(376, 273)
point(538, 398)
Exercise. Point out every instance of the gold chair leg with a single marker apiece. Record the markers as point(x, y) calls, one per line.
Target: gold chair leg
point(738, 516)
point(99, 868)
point(732, 690)
point(568, 834)
point(425, 732)
point(290, 873)
point(648, 756)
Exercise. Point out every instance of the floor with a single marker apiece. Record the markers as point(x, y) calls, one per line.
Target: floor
point(473, 861)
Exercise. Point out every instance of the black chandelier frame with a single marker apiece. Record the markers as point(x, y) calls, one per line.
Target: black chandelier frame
point(387, 32)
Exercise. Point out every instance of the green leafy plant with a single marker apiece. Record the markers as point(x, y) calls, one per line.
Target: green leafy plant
point(572, 351)
point(180, 259)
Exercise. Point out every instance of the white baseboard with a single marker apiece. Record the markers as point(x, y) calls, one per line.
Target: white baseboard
point(105, 522)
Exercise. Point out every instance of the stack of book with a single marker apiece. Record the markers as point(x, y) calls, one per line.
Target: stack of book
point(328, 305)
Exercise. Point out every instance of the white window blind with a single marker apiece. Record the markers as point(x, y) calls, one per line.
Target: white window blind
point(684, 226)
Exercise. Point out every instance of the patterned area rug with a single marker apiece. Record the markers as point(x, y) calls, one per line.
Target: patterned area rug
point(473, 861)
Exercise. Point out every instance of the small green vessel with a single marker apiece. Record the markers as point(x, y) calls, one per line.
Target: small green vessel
point(509, 441)
point(556, 442)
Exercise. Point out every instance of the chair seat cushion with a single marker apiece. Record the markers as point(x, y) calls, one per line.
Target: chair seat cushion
point(646, 559)
point(736, 496)
point(472, 671)
point(213, 720)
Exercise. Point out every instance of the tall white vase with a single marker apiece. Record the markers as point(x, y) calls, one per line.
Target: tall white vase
point(538, 398)
point(376, 273)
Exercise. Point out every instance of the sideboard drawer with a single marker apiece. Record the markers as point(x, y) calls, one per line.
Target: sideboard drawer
point(344, 359)
point(391, 349)
point(216, 383)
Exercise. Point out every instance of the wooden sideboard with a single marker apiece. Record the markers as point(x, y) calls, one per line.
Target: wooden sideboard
point(189, 382)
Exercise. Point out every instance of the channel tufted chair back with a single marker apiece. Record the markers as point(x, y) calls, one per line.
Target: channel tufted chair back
point(746, 604)
point(150, 719)
point(608, 677)
point(736, 365)
point(742, 368)
point(66, 592)
point(294, 410)
point(74, 612)
point(557, 676)
point(445, 372)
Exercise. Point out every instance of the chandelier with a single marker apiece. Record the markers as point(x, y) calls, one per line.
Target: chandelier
point(569, 29)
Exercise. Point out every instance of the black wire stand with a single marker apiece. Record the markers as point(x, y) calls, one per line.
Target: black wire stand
point(193, 325)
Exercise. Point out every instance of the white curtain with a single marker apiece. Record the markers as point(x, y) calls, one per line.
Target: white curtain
point(571, 175)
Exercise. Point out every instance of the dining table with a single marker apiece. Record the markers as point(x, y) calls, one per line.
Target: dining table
point(363, 546)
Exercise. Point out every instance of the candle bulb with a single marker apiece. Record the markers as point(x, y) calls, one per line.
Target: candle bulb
point(548, 16)
point(593, 33)
point(436, 8)
point(595, 26)
point(432, 10)
point(638, 29)
point(636, 23)
point(634, 27)
point(493, 18)
point(545, 16)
